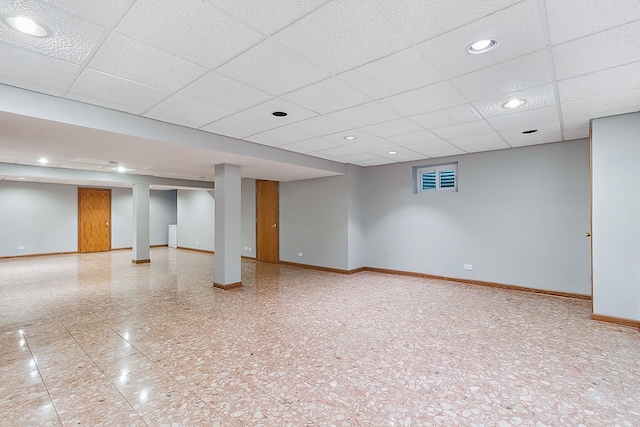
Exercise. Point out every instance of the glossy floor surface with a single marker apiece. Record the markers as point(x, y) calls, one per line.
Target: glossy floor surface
point(94, 340)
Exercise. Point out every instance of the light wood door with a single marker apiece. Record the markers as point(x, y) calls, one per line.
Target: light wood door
point(267, 223)
point(94, 220)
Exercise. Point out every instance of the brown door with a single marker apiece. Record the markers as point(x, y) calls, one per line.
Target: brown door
point(267, 225)
point(94, 220)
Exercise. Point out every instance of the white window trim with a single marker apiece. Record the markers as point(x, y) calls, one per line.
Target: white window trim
point(437, 169)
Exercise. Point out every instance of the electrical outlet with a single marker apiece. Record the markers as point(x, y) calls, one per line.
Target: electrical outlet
point(246, 248)
point(197, 242)
point(250, 249)
point(20, 247)
point(299, 253)
point(468, 267)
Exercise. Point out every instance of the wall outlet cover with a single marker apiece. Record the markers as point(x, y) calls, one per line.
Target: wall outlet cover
point(468, 267)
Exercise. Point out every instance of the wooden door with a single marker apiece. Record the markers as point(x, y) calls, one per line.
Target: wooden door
point(267, 221)
point(94, 220)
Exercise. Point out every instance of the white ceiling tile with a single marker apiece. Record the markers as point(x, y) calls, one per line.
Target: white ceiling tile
point(319, 126)
point(337, 152)
point(339, 35)
point(435, 97)
point(294, 112)
point(375, 162)
point(82, 166)
point(191, 29)
point(186, 112)
point(595, 107)
point(393, 128)
point(310, 145)
point(525, 120)
point(9, 158)
point(607, 49)
point(268, 16)
point(70, 37)
point(416, 138)
point(113, 92)
point(547, 132)
point(366, 114)
point(361, 136)
point(402, 155)
point(447, 117)
point(569, 135)
point(357, 158)
point(463, 129)
point(375, 144)
point(538, 97)
point(272, 68)
point(279, 136)
point(50, 180)
point(517, 29)
point(476, 143)
point(424, 19)
point(433, 146)
point(105, 13)
point(453, 151)
point(130, 59)
point(600, 83)
point(393, 74)
point(520, 73)
point(221, 91)
point(587, 17)
point(327, 96)
point(32, 70)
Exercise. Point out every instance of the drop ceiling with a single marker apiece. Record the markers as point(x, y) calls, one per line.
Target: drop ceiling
point(394, 73)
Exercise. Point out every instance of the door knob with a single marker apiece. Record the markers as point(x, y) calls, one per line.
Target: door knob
point(107, 224)
point(274, 225)
point(587, 234)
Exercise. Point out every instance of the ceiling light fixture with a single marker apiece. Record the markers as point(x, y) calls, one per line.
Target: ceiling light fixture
point(514, 103)
point(279, 114)
point(22, 178)
point(121, 169)
point(482, 46)
point(392, 152)
point(350, 137)
point(43, 160)
point(26, 26)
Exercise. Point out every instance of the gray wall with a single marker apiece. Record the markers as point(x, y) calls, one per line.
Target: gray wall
point(616, 216)
point(44, 217)
point(195, 219)
point(313, 221)
point(518, 218)
point(248, 213)
point(355, 212)
point(41, 217)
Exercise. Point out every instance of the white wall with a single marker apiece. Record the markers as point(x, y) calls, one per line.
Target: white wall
point(44, 217)
point(248, 214)
point(41, 217)
point(519, 218)
point(616, 216)
point(313, 221)
point(355, 218)
point(196, 219)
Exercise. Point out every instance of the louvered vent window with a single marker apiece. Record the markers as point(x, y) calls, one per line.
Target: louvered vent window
point(437, 178)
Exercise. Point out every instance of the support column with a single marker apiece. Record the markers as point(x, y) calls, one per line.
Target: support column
point(227, 260)
point(141, 228)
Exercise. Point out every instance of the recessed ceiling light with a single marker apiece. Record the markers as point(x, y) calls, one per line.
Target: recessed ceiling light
point(121, 169)
point(482, 46)
point(22, 177)
point(530, 131)
point(350, 137)
point(26, 26)
point(514, 103)
point(392, 152)
point(43, 160)
point(279, 114)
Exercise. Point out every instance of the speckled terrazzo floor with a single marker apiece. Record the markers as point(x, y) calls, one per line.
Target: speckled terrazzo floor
point(95, 340)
